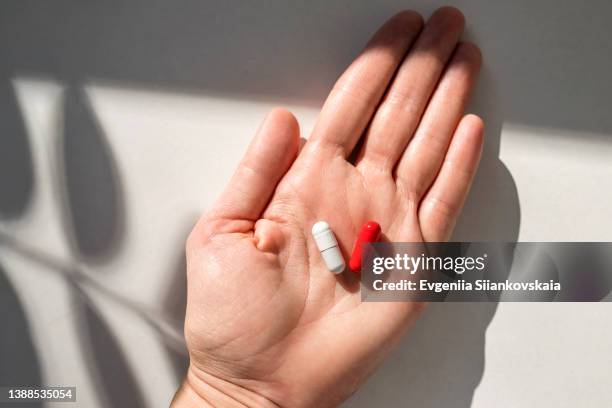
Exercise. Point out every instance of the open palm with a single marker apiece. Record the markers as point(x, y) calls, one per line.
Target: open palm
point(267, 323)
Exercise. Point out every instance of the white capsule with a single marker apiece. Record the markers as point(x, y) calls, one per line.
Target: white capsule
point(328, 246)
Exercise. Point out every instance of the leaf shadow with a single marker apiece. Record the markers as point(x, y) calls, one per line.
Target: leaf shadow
point(19, 358)
point(16, 167)
point(90, 188)
point(106, 361)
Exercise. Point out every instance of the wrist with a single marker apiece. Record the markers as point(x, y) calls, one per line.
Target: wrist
point(200, 389)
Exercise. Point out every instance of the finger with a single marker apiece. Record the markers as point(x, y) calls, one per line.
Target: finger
point(423, 157)
point(399, 113)
point(444, 200)
point(266, 161)
point(357, 92)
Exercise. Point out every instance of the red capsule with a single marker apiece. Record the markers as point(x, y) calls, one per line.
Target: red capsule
point(369, 233)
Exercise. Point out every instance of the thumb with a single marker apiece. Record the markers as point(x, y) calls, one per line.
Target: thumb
point(266, 161)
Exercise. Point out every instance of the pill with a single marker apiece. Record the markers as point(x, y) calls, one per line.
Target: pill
point(328, 246)
point(370, 232)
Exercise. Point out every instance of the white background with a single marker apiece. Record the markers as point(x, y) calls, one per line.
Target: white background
point(135, 115)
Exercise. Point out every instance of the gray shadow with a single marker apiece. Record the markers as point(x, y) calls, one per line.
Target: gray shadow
point(584, 271)
point(16, 168)
point(89, 186)
point(548, 76)
point(20, 362)
point(117, 386)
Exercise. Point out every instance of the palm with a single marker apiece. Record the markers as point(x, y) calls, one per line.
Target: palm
point(262, 307)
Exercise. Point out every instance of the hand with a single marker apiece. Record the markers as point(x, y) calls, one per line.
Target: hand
point(267, 324)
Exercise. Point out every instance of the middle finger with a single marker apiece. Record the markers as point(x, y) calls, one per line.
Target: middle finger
point(399, 114)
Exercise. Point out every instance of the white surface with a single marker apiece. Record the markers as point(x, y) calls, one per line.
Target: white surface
point(177, 121)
